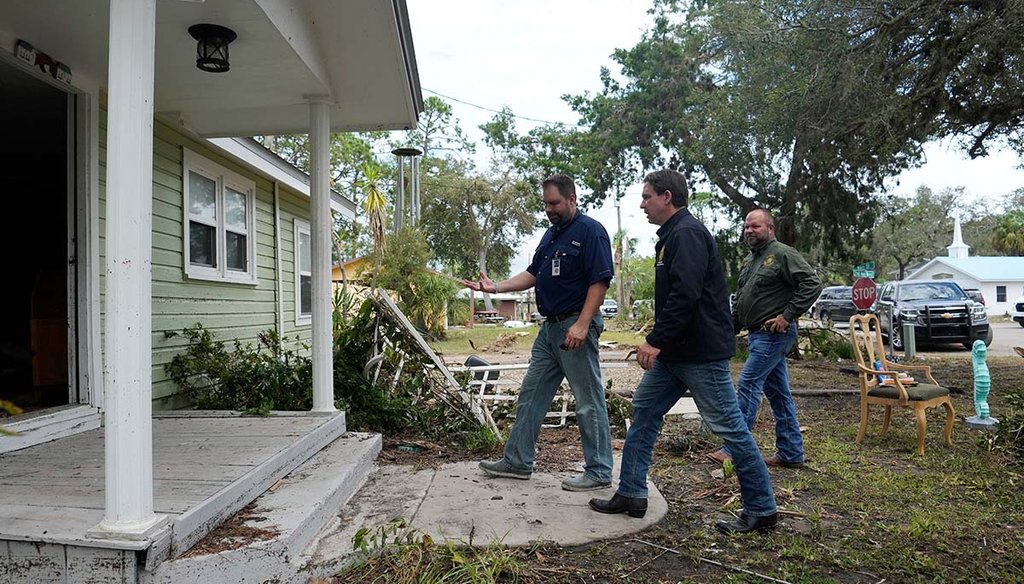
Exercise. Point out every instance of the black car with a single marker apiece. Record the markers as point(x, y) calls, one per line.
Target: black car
point(834, 304)
point(939, 309)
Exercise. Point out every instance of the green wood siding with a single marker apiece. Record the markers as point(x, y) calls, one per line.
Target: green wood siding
point(292, 206)
point(231, 311)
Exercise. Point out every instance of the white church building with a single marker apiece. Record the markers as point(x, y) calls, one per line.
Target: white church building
point(1000, 279)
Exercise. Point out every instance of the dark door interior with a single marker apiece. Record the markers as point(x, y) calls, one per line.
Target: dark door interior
point(34, 292)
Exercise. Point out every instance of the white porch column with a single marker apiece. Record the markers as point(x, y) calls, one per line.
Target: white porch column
point(129, 389)
point(321, 225)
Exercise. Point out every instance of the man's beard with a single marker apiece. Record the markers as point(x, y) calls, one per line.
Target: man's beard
point(557, 219)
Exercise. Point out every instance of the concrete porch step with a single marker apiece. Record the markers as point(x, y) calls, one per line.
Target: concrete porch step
point(263, 542)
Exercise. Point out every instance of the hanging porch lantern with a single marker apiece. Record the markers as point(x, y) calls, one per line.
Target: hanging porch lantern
point(212, 46)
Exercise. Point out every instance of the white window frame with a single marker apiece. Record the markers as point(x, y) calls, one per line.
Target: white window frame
point(1006, 294)
point(300, 227)
point(192, 162)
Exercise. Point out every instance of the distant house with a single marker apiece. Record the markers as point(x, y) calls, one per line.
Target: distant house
point(1000, 279)
point(352, 270)
point(507, 305)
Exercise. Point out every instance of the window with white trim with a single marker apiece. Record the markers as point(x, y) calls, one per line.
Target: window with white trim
point(1000, 293)
point(303, 274)
point(220, 226)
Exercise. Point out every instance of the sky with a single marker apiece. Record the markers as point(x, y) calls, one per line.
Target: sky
point(483, 55)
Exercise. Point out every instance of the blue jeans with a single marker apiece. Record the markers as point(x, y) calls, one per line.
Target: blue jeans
point(710, 383)
point(766, 371)
point(548, 366)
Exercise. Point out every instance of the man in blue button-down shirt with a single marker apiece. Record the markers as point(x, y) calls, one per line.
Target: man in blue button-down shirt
point(570, 271)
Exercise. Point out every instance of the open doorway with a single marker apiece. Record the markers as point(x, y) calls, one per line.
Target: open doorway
point(34, 319)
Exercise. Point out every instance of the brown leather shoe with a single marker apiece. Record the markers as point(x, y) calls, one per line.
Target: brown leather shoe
point(774, 460)
point(719, 456)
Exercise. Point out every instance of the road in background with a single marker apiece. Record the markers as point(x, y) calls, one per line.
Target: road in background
point(1005, 336)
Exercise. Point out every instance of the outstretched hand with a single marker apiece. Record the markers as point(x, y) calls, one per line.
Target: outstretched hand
point(484, 284)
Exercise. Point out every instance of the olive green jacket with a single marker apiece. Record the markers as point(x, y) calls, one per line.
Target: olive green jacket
point(775, 279)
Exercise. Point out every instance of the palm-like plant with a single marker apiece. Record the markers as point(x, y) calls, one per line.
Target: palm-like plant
point(375, 206)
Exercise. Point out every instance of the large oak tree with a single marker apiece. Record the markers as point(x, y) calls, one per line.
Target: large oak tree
point(801, 106)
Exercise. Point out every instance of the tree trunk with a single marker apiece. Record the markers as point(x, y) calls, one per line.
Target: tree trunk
point(627, 296)
point(785, 229)
point(618, 273)
point(482, 265)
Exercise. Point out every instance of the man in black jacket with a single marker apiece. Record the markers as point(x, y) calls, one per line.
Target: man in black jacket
point(688, 348)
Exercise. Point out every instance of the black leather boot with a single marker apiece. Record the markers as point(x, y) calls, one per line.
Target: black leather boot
point(634, 506)
point(747, 523)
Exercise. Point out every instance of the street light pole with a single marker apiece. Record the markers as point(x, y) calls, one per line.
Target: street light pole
point(618, 256)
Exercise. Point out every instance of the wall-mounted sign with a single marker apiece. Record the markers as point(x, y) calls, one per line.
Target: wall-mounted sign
point(29, 54)
point(25, 52)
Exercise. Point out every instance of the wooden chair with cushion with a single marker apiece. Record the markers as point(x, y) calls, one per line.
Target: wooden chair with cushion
point(898, 388)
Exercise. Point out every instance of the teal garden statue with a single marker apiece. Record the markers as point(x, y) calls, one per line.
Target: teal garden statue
point(982, 384)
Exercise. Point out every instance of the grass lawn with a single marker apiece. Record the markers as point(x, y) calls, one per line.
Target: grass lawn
point(457, 340)
point(870, 513)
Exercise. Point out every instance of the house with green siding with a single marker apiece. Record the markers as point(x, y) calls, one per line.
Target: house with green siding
point(263, 282)
point(137, 206)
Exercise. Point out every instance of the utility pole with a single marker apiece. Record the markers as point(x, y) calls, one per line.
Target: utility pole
point(618, 257)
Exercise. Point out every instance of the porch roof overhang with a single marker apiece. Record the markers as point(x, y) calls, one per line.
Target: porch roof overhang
point(356, 55)
point(275, 168)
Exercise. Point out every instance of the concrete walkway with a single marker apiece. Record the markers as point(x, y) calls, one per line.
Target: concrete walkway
point(459, 503)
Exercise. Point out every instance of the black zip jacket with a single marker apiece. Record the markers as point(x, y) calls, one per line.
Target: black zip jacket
point(691, 300)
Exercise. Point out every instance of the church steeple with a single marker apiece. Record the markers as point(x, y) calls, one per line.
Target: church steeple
point(958, 249)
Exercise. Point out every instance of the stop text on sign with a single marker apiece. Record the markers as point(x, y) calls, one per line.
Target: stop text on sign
point(864, 293)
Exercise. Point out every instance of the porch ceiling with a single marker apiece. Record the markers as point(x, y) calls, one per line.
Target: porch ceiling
point(356, 53)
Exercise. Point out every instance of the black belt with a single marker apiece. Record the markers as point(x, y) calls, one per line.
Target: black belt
point(561, 317)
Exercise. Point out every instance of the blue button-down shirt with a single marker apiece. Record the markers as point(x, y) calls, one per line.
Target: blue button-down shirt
point(568, 260)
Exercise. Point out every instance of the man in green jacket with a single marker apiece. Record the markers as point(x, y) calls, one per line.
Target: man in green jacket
point(776, 286)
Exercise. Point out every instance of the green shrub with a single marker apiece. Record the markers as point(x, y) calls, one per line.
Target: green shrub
point(422, 294)
point(644, 315)
point(368, 407)
point(408, 406)
point(828, 343)
point(268, 377)
point(1009, 435)
point(252, 379)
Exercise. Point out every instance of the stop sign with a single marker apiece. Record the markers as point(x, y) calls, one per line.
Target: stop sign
point(864, 293)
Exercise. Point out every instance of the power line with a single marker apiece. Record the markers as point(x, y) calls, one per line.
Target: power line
point(492, 110)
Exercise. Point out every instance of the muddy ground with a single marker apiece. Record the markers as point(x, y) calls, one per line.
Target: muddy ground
point(875, 513)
